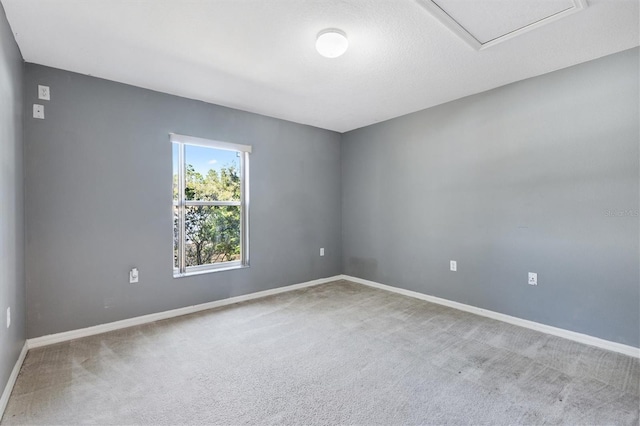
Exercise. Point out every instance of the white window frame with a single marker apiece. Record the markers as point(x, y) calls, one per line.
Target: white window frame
point(244, 150)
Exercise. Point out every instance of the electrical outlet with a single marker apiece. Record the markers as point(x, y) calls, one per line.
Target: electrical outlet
point(44, 93)
point(38, 111)
point(133, 276)
point(453, 265)
point(8, 316)
point(533, 278)
point(322, 252)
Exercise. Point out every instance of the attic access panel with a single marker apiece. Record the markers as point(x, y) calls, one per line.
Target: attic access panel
point(484, 23)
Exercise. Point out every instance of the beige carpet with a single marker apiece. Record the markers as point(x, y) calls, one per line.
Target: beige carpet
point(339, 353)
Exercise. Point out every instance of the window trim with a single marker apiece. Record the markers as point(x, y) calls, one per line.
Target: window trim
point(192, 140)
point(181, 203)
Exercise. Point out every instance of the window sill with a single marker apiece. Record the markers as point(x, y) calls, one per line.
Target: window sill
point(209, 270)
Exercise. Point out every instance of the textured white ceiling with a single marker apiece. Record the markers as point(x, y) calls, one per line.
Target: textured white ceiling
point(259, 56)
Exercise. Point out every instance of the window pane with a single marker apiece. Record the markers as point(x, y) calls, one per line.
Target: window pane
point(175, 147)
point(212, 234)
point(176, 237)
point(212, 174)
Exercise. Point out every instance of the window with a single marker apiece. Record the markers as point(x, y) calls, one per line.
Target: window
point(210, 205)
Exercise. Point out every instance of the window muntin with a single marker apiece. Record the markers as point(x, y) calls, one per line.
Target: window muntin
point(210, 205)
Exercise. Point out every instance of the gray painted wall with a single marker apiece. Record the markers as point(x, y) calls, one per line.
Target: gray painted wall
point(11, 202)
point(98, 201)
point(517, 179)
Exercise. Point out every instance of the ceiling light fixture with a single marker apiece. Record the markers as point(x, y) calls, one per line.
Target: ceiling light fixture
point(332, 43)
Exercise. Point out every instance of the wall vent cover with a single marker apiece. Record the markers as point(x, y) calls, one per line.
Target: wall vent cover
point(485, 23)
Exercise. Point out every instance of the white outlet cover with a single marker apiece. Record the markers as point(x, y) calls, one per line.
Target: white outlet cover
point(44, 93)
point(133, 276)
point(8, 316)
point(533, 278)
point(322, 252)
point(38, 111)
point(453, 265)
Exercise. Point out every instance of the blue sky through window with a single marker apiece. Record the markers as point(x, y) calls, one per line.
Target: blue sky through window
point(204, 159)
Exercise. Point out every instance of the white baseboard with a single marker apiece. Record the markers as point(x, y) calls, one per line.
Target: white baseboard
point(103, 328)
point(4, 399)
point(560, 332)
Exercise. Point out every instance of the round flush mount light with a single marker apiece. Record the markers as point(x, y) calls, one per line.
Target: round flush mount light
point(332, 43)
